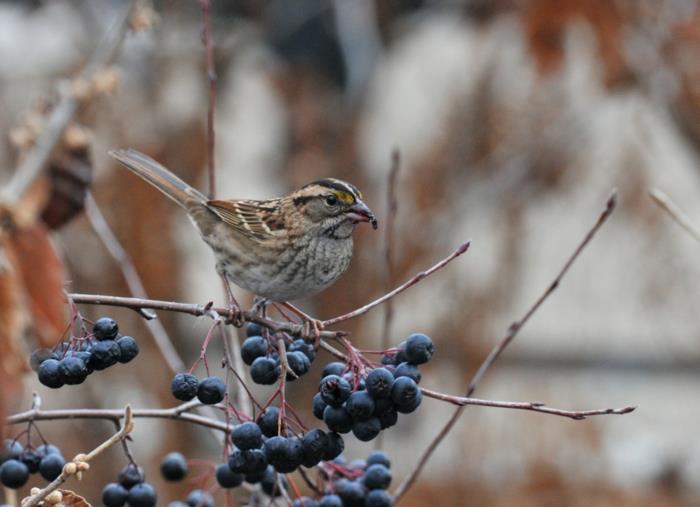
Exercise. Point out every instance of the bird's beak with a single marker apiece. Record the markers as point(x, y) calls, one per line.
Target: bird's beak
point(359, 212)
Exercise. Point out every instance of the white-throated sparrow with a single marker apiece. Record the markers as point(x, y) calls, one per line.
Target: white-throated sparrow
point(281, 249)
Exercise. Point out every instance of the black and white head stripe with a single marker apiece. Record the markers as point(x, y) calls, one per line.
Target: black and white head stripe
point(338, 185)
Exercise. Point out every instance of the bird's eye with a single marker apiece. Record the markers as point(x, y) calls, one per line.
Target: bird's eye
point(331, 200)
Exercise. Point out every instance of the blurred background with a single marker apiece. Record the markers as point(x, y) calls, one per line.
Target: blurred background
point(514, 120)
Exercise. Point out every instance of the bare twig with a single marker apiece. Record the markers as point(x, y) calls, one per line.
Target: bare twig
point(410, 283)
point(133, 281)
point(211, 76)
point(63, 112)
point(680, 217)
point(79, 464)
point(501, 346)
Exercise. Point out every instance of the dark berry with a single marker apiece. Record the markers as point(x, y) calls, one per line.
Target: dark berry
point(334, 446)
point(378, 458)
point(252, 348)
point(401, 356)
point(50, 374)
point(114, 495)
point(271, 481)
point(337, 419)
point(383, 406)
point(264, 371)
point(104, 354)
point(46, 449)
point(227, 478)
point(253, 329)
point(73, 370)
point(278, 451)
point(37, 357)
point(368, 429)
point(200, 498)
point(268, 421)
point(130, 476)
point(408, 370)
point(335, 368)
point(86, 357)
point(388, 359)
point(405, 394)
point(11, 449)
point(255, 478)
point(128, 347)
point(377, 476)
point(330, 501)
point(32, 460)
point(247, 436)
point(388, 419)
point(174, 467)
point(318, 406)
point(304, 501)
point(105, 329)
point(313, 447)
point(353, 494)
point(334, 390)
point(298, 363)
point(307, 349)
point(378, 498)
point(360, 405)
point(419, 348)
point(14, 474)
point(252, 461)
point(378, 383)
point(51, 466)
point(211, 390)
point(184, 386)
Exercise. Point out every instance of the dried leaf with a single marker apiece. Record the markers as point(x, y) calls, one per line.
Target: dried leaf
point(72, 499)
point(41, 272)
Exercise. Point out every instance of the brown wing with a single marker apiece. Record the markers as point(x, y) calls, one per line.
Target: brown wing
point(260, 220)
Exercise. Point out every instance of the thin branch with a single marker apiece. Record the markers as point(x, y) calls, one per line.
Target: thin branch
point(211, 76)
point(410, 283)
point(62, 113)
point(79, 464)
point(677, 214)
point(501, 346)
point(133, 281)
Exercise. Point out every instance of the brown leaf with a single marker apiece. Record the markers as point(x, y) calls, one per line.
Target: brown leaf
point(72, 499)
point(40, 270)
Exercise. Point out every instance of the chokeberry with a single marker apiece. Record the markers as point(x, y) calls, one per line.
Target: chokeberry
point(378, 498)
point(211, 390)
point(377, 476)
point(73, 370)
point(277, 451)
point(389, 418)
point(11, 449)
point(37, 357)
point(419, 348)
point(304, 501)
point(318, 406)
point(298, 363)
point(352, 494)
point(335, 445)
point(31, 459)
point(50, 374)
point(128, 347)
point(105, 329)
point(337, 419)
point(408, 370)
point(268, 421)
point(104, 354)
point(184, 386)
point(253, 329)
point(142, 495)
point(378, 458)
point(114, 495)
point(334, 368)
point(248, 462)
point(46, 449)
point(378, 383)
point(270, 482)
point(360, 405)
point(13, 474)
point(174, 467)
point(264, 371)
point(51, 466)
point(227, 478)
point(313, 447)
point(334, 390)
point(307, 349)
point(247, 436)
point(367, 429)
point(405, 394)
point(200, 498)
point(130, 476)
point(330, 501)
point(252, 348)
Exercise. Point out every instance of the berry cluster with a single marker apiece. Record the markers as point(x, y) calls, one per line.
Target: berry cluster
point(18, 462)
point(72, 361)
point(262, 356)
point(130, 488)
point(368, 403)
point(209, 390)
point(362, 483)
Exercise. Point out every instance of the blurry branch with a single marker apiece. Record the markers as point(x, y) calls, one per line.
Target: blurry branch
point(410, 283)
point(677, 214)
point(495, 353)
point(178, 413)
point(211, 76)
point(392, 207)
point(133, 281)
point(62, 113)
point(79, 464)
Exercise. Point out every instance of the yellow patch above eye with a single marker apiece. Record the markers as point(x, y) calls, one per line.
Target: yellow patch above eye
point(344, 197)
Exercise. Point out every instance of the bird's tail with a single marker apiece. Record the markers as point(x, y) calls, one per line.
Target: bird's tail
point(160, 177)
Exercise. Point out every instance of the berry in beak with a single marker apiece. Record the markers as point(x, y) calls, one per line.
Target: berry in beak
point(359, 212)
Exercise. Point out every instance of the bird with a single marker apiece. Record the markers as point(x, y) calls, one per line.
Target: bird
point(280, 249)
